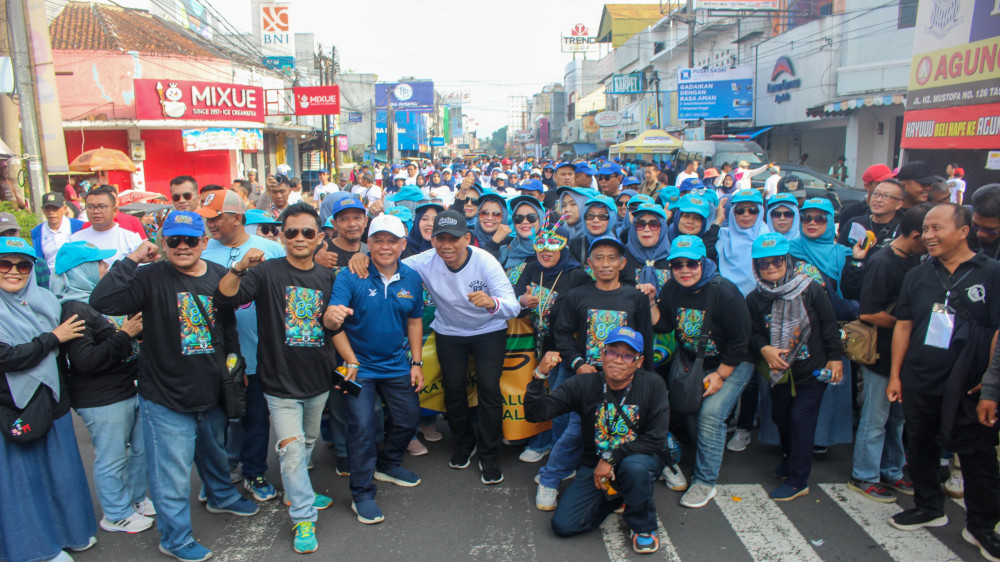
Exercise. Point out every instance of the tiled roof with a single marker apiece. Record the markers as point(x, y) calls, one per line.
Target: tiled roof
point(85, 26)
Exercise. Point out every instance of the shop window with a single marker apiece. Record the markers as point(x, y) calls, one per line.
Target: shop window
point(907, 14)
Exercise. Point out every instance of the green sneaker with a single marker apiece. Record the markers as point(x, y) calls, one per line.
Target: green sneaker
point(321, 502)
point(305, 537)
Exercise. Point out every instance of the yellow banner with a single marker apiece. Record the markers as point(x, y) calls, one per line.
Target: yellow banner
point(973, 62)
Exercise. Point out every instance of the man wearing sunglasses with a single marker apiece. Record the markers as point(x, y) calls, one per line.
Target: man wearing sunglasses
point(179, 369)
point(104, 232)
point(295, 357)
point(986, 219)
point(563, 176)
point(626, 412)
point(609, 179)
point(246, 442)
point(184, 193)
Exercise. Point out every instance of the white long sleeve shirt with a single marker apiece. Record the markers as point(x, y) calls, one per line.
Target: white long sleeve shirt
point(455, 315)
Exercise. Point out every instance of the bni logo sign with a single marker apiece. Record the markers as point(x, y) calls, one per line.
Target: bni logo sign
point(274, 19)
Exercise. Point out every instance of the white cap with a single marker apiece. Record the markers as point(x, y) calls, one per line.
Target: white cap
point(387, 223)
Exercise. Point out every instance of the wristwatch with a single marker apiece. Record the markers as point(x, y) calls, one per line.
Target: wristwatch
point(238, 272)
point(416, 363)
point(608, 457)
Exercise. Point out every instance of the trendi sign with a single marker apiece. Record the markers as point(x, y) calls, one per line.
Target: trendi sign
point(317, 100)
point(205, 101)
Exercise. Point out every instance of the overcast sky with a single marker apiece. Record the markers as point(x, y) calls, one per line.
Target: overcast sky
point(492, 49)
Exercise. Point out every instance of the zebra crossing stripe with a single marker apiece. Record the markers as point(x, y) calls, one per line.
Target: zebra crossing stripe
point(761, 525)
point(873, 517)
point(619, 546)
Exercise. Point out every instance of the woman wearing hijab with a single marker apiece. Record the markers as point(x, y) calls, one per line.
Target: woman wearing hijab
point(647, 248)
point(783, 215)
point(600, 217)
point(572, 201)
point(553, 272)
point(46, 503)
point(527, 220)
point(633, 204)
point(437, 188)
point(727, 185)
point(745, 223)
point(491, 229)
point(690, 216)
point(419, 237)
point(795, 333)
point(681, 306)
point(548, 177)
point(621, 202)
point(102, 372)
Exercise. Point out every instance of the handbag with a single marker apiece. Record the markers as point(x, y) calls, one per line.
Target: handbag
point(233, 395)
point(31, 423)
point(859, 340)
point(685, 384)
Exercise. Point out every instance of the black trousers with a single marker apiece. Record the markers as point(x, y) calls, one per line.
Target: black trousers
point(796, 418)
point(980, 470)
point(488, 351)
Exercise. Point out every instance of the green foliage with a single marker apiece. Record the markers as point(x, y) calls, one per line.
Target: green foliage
point(26, 219)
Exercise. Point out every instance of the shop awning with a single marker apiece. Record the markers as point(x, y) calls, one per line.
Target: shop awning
point(848, 104)
point(581, 148)
point(652, 141)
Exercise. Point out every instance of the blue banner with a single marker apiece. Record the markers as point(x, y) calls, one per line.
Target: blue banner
point(715, 93)
point(410, 129)
point(415, 96)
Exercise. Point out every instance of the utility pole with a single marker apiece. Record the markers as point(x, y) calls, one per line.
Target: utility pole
point(690, 22)
point(338, 157)
point(24, 78)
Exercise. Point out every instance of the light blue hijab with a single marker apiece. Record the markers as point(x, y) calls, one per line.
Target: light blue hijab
point(790, 202)
point(822, 252)
point(609, 204)
point(647, 257)
point(735, 243)
point(76, 284)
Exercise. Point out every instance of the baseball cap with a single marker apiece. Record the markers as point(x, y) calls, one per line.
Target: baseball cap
point(450, 222)
point(72, 254)
point(820, 204)
point(687, 246)
point(8, 222)
point(748, 196)
point(387, 223)
point(324, 171)
point(258, 216)
point(649, 208)
point(691, 183)
point(769, 245)
point(876, 172)
point(918, 171)
point(610, 169)
point(221, 201)
point(627, 336)
point(183, 223)
point(536, 172)
point(609, 240)
point(505, 161)
point(564, 164)
point(531, 185)
point(12, 245)
point(693, 204)
point(583, 168)
point(630, 181)
point(53, 200)
point(345, 204)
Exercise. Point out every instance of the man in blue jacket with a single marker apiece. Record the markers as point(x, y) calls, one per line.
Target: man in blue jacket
point(49, 236)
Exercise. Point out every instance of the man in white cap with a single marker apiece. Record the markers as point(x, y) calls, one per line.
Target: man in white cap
point(385, 307)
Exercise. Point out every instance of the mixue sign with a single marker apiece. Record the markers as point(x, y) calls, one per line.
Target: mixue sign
point(208, 101)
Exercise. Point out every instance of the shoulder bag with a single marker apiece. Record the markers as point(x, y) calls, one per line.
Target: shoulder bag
point(685, 384)
point(859, 340)
point(233, 394)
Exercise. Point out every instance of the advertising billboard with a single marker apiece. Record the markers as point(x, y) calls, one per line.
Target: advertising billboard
point(209, 101)
point(579, 40)
point(195, 140)
point(715, 93)
point(317, 100)
point(277, 43)
point(409, 130)
point(415, 96)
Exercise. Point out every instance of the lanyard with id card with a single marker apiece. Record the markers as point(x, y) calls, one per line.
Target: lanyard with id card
point(942, 323)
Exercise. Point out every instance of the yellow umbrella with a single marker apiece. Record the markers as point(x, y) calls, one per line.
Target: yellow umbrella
point(102, 160)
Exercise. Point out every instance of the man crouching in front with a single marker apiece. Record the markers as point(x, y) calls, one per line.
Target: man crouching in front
point(629, 412)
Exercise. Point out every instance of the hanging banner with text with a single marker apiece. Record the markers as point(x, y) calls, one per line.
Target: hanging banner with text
point(416, 96)
point(966, 127)
point(715, 93)
point(195, 140)
point(317, 100)
point(208, 101)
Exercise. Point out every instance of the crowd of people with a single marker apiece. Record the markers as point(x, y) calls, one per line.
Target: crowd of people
point(667, 307)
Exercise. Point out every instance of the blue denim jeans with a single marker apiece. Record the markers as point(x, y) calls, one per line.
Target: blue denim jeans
point(175, 441)
point(403, 406)
point(878, 447)
point(119, 456)
point(583, 507)
point(246, 439)
point(711, 425)
point(565, 455)
point(336, 423)
point(296, 428)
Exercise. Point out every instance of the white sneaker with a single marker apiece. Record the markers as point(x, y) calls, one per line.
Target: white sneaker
point(955, 485)
point(674, 478)
point(530, 455)
point(145, 507)
point(572, 475)
point(698, 496)
point(739, 441)
point(134, 523)
point(545, 499)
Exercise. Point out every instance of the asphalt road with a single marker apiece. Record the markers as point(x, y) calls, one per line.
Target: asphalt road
point(452, 516)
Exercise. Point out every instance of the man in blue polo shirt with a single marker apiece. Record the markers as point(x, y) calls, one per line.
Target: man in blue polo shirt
point(381, 343)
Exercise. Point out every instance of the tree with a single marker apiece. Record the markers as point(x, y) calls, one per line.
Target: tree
point(498, 141)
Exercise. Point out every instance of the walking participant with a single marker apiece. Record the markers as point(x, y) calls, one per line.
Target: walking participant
point(179, 387)
point(796, 333)
point(419, 237)
point(46, 505)
point(629, 412)
point(104, 232)
point(744, 224)
point(783, 215)
point(381, 343)
point(572, 202)
point(49, 236)
point(491, 230)
point(294, 354)
point(691, 216)
point(247, 439)
point(958, 283)
point(519, 249)
point(709, 316)
point(600, 218)
point(101, 368)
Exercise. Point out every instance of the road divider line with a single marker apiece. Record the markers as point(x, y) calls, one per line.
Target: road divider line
point(619, 547)
point(873, 517)
point(761, 525)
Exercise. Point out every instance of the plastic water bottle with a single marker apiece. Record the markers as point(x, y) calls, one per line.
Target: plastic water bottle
point(674, 448)
point(824, 375)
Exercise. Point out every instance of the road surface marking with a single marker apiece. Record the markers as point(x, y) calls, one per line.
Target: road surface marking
point(619, 546)
point(761, 525)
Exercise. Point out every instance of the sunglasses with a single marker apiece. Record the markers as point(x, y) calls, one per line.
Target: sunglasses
point(627, 358)
point(494, 214)
point(633, 206)
point(187, 195)
point(622, 204)
point(269, 229)
point(818, 219)
point(782, 214)
point(293, 233)
point(175, 241)
point(986, 231)
point(471, 201)
point(767, 263)
point(530, 217)
point(596, 216)
point(23, 267)
point(604, 177)
point(744, 210)
point(652, 224)
point(677, 265)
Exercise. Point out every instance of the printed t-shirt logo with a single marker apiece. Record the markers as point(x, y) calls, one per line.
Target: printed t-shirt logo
point(195, 333)
point(477, 285)
point(404, 294)
point(303, 309)
point(599, 323)
point(976, 293)
point(611, 428)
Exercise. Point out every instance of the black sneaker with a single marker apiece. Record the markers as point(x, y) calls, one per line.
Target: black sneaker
point(871, 490)
point(462, 458)
point(916, 518)
point(987, 541)
point(491, 471)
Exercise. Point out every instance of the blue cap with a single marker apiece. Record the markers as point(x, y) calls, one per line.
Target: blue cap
point(347, 203)
point(607, 239)
point(531, 185)
point(630, 181)
point(782, 199)
point(627, 336)
point(183, 223)
point(691, 183)
point(406, 193)
point(687, 246)
point(324, 171)
point(328, 223)
point(610, 169)
point(405, 214)
point(669, 194)
point(650, 208)
point(694, 204)
point(11, 245)
point(819, 203)
point(769, 245)
point(258, 216)
point(72, 254)
point(608, 202)
point(583, 168)
point(748, 196)
point(640, 199)
point(548, 167)
point(425, 205)
point(564, 164)
point(525, 200)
